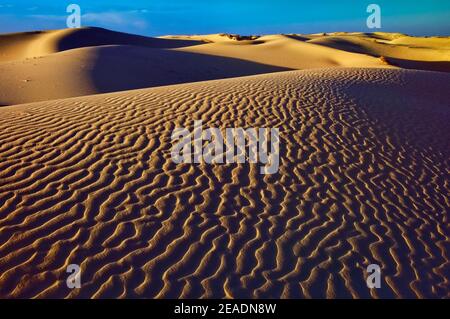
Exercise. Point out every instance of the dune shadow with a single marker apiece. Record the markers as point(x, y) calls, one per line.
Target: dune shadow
point(296, 37)
point(93, 36)
point(412, 110)
point(120, 68)
point(343, 45)
point(440, 66)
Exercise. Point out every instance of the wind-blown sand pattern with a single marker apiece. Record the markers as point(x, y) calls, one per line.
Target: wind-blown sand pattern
point(363, 179)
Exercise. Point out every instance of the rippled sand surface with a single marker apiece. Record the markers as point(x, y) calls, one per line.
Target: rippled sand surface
point(363, 178)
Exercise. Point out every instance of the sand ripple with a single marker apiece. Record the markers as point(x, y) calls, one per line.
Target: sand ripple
point(363, 179)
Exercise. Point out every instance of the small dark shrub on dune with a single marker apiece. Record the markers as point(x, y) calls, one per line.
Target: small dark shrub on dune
point(238, 37)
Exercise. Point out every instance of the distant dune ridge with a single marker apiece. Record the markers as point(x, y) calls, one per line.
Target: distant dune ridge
point(88, 180)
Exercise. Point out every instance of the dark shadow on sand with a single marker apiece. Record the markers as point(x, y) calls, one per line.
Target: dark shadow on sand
point(120, 68)
point(88, 37)
point(440, 66)
point(343, 45)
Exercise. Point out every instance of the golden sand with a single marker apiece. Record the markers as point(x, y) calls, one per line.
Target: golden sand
point(362, 179)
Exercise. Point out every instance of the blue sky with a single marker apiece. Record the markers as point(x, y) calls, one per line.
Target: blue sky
point(159, 17)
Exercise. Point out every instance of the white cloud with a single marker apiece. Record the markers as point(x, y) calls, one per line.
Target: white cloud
point(114, 19)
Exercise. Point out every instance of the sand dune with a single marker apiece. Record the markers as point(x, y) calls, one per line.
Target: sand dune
point(390, 45)
point(300, 51)
point(103, 69)
point(18, 46)
point(363, 179)
point(431, 53)
point(87, 178)
point(94, 60)
point(283, 51)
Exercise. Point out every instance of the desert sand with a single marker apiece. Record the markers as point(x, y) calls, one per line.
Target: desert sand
point(40, 66)
point(87, 178)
